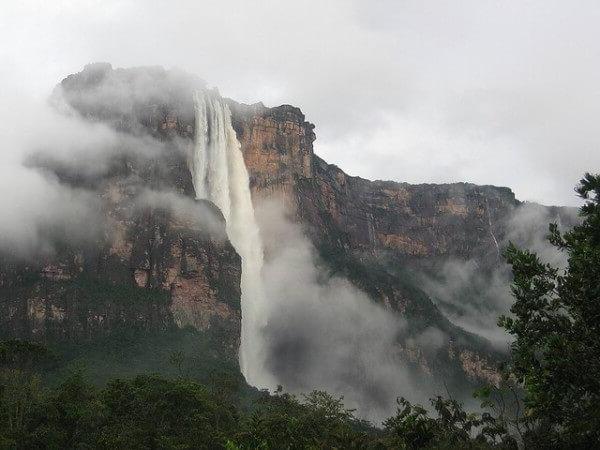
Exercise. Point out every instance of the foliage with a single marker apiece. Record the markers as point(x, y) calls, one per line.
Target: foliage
point(19, 395)
point(148, 411)
point(20, 386)
point(202, 356)
point(25, 355)
point(151, 412)
point(413, 428)
point(144, 412)
point(556, 324)
point(283, 421)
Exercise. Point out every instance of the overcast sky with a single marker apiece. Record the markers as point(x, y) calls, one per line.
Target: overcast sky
point(494, 92)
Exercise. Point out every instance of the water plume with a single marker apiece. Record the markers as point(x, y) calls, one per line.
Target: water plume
point(220, 176)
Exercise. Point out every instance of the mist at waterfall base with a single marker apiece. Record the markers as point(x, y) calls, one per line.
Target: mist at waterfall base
point(323, 333)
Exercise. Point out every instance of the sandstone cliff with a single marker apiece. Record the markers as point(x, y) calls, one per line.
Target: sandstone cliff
point(427, 220)
point(159, 258)
point(378, 234)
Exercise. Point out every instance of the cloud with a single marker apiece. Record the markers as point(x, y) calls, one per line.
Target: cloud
point(431, 339)
point(324, 333)
point(473, 297)
point(38, 210)
point(483, 91)
point(528, 228)
point(36, 207)
point(130, 95)
point(200, 215)
point(51, 159)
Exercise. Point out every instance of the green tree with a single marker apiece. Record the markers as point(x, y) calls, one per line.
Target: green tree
point(68, 417)
point(320, 421)
point(152, 412)
point(19, 392)
point(20, 387)
point(556, 325)
point(25, 356)
point(413, 428)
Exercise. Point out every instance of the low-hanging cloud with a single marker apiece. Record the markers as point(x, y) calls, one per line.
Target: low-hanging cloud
point(324, 333)
point(122, 90)
point(50, 157)
point(38, 210)
point(199, 215)
point(473, 298)
point(37, 207)
point(480, 91)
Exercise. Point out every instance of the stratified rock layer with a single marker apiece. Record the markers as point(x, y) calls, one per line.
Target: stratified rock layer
point(378, 234)
point(428, 220)
point(160, 259)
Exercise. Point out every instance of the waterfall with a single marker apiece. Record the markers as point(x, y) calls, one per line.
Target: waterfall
point(219, 175)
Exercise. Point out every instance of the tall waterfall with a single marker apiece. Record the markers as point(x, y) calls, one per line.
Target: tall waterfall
point(219, 175)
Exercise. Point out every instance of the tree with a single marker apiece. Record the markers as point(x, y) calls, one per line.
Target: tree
point(413, 428)
point(19, 385)
point(152, 412)
point(556, 325)
point(283, 421)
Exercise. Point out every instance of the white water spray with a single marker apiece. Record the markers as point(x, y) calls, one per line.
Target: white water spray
point(219, 174)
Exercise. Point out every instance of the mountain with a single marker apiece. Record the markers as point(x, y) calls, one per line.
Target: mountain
point(159, 261)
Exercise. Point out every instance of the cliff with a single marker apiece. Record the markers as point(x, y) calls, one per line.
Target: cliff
point(157, 267)
point(381, 235)
point(460, 220)
point(159, 259)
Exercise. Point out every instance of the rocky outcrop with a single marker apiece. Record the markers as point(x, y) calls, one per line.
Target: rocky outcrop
point(152, 271)
point(415, 221)
point(159, 274)
point(277, 146)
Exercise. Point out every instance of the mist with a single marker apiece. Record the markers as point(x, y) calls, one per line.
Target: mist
point(324, 333)
point(38, 209)
point(52, 159)
point(201, 216)
point(415, 92)
point(474, 298)
point(34, 202)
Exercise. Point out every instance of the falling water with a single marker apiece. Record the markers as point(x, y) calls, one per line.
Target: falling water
point(219, 175)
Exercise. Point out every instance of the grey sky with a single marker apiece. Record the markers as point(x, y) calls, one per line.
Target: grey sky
point(490, 92)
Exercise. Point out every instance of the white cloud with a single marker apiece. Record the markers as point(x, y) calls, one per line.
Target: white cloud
point(324, 333)
point(485, 91)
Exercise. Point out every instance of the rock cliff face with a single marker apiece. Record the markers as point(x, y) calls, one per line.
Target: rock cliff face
point(376, 233)
point(385, 236)
point(460, 220)
point(152, 271)
point(159, 260)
